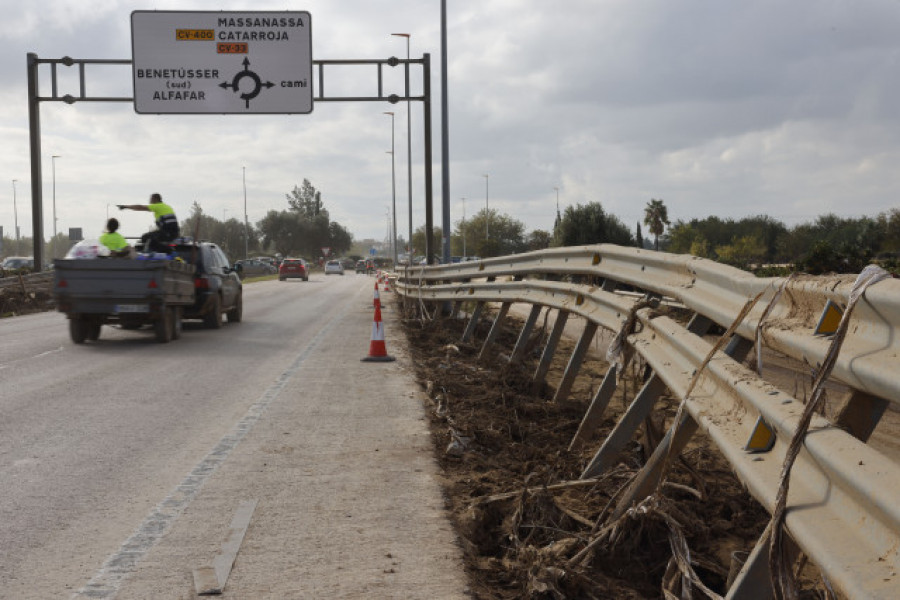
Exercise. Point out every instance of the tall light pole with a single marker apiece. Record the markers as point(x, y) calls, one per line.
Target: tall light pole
point(463, 228)
point(393, 194)
point(15, 216)
point(246, 222)
point(487, 212)
point(408, 147)
point(53, 162)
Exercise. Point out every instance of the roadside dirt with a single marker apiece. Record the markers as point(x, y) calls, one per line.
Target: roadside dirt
point(526, 530)
point(14, 301)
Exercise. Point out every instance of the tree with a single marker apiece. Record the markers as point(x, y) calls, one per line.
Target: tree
point(306, 200)
point(639, 239)
point(506, 235)
point(418, 240)
point(590, 224)
point(538, 240)
point(656, 218)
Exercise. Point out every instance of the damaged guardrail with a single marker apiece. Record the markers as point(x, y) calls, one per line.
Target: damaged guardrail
point(842, 509)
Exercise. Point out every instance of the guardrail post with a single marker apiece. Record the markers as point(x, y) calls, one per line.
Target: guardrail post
point(525, 334)
point(455, 312)
point(495, 329)
point(594, 415)
point(568, 378)
point(473, 321)
point(676, 438)
point(860, 414)
point(550, 349)
point(638, 411)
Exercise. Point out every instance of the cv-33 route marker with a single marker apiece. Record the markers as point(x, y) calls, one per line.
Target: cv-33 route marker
point(199, 62)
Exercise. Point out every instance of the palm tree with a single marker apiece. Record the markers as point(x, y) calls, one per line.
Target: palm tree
point(656, 217)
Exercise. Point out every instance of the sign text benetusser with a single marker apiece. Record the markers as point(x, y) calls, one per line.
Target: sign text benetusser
point(221, 62)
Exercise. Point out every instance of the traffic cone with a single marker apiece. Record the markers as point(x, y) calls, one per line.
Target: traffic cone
point(377, 349)
point(377, 302)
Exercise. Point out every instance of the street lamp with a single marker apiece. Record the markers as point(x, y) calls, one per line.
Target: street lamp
point(393, 193)
point(15, 216)
point(487, 212)
point(464, 227)
point(53, 162)
point(408, 146)
point(246, 222)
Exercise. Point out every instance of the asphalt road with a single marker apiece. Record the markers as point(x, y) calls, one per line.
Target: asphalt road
point(94, 437)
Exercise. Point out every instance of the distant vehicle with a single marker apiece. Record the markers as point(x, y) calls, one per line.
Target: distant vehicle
point(15, 263)
point(334, 267)
point(253, 267)
point(293, 268)
point(361, 266)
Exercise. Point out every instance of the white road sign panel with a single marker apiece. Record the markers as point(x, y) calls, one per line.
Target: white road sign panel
point(222, 62)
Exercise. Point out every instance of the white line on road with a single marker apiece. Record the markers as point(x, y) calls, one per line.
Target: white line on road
point(107, 581)
point(42, 354)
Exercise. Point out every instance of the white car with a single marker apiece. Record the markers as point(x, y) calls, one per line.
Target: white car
point(334, 267)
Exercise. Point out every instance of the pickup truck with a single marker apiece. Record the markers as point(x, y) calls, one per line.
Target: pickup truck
point(130, 292)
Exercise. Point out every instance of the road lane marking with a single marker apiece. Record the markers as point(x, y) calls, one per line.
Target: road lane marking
point(41, 355)
point(109, 578)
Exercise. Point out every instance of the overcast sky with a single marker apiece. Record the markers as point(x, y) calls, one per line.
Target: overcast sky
point(732, 109)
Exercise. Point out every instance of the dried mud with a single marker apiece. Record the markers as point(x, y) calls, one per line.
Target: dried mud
point(525, 529)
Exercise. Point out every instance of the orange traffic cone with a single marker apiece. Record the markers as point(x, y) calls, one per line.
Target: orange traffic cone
point(377, 349)
point(377, 302)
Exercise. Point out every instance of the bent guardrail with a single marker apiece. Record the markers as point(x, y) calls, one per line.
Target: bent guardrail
point(842, 508)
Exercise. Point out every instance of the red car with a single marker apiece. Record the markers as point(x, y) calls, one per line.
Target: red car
point(293, 267)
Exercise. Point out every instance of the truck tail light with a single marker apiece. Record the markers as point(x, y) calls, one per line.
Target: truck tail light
point(152, 285)
point(201, 283)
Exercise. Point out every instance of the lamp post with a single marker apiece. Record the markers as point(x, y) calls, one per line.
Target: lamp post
point(408, 147)
point(393, 194)
point(246, 222)
point(53, 162)
point(463, 228)
point(487, 213)
point(15, 216)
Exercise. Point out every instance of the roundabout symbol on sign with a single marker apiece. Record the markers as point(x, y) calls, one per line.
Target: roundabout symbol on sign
point(257, 83)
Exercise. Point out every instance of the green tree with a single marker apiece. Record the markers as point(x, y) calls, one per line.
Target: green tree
point(418, 240)
point(306, 200)
point(590, 224)
point(656, 218)
point(505, 235)
point(742, 252)
point(538, 240)
point(639, 239)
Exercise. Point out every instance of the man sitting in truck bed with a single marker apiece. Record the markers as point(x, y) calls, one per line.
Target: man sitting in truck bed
point(166, 224)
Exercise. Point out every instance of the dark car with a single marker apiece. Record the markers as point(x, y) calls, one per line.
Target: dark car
point(293, 267)
point(217, 285)
point(361, 266)
point(253, 267)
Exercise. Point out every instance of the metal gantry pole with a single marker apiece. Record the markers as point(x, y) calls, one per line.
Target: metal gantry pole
point(34, 126)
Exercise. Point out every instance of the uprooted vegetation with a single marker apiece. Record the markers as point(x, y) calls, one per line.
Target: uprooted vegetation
point(529, 528)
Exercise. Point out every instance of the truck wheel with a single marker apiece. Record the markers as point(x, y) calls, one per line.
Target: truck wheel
point(162, 326)
point(78, 329)
point(236, 313)
point(93, 331)
point(213, 319)
point(177, 324)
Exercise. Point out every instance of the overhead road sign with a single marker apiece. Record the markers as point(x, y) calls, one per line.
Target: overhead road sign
point(221, 62)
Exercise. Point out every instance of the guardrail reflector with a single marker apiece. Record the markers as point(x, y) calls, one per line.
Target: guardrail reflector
point(762, 439)
point(830, 319)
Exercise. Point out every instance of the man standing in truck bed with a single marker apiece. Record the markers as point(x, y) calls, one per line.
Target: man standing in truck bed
point(166, 224)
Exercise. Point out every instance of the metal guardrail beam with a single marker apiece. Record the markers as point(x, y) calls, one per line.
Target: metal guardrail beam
point(718, 292)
